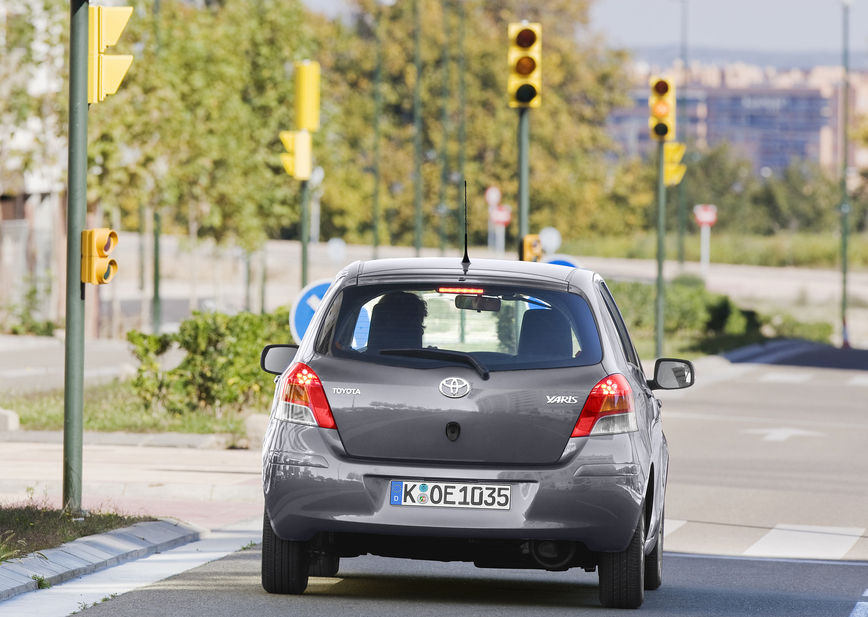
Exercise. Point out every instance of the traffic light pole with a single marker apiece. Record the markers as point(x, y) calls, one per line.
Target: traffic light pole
point(523, 171)
point(305, 230)
point(845, 207)
point(73, 370)
point(661, 246)
point(417, 127)
point(157, 309)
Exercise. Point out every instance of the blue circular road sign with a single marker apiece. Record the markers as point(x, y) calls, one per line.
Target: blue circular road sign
point(560, 259)
point(304, 307)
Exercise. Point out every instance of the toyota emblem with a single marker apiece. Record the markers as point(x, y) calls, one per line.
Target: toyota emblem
point(454, 387)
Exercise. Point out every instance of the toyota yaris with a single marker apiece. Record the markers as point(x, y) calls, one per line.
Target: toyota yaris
point(493, 412)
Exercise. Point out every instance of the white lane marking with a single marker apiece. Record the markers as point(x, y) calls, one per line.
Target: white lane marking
point(760, 420)
point(860, 610)
point(313, 302)
point(806, 541)
point(865, 593)
point(671, 525)
point(63, 599)
point(782, 433)
point(858, 380)
point(777, 377)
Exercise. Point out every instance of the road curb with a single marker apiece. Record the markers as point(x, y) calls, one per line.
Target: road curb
point(93, 553)
point(207, 441)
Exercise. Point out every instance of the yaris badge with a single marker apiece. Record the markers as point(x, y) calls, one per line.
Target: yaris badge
point(454, 387)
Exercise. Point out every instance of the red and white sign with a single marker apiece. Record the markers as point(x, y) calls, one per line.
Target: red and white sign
point(705, 214)
point(501, 215)
point(492, 196)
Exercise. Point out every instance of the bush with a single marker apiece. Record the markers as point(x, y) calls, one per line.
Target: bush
point(220, 371)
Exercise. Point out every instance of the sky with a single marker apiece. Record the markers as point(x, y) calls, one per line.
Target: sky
point(758, 25)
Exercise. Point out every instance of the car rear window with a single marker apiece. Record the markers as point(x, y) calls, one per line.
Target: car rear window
point(502, 327)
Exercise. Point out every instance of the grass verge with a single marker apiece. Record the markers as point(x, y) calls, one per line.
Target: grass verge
point(783, 249)
point(115, 407)
point(35, 525)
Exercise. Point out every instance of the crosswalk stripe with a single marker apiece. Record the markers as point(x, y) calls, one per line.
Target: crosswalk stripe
point(780, 377)
point(806, 542)
point(671, 525)
point(860, 610)
point(858, 380)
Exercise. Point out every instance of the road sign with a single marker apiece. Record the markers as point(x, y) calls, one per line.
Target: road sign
point(550, 238)
point(705, 214)
point(492, 196)
point(501, 215)
point(559, 259)
point(304, 307)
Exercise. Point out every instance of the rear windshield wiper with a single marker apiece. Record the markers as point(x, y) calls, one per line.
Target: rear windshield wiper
point(440, 354)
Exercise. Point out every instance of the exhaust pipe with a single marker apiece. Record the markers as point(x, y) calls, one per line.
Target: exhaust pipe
point(551, 554)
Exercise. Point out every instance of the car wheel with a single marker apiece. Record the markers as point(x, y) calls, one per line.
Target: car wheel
point(284, 563)
point(654, 562)
point(622, 574)
point(324, 565)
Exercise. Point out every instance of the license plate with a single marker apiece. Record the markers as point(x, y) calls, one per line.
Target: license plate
point(450, 495)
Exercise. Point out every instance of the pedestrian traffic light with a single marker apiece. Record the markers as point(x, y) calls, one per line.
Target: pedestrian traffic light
point(96, 246)
point(297, 158)
point(673, 171)
point(530, 248)
point(524, 83)
point(661, 107)
point(105, 73)
point(307, 95)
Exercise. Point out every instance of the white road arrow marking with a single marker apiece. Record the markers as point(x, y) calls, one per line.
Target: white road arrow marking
point(781, 434)
point(313, 302)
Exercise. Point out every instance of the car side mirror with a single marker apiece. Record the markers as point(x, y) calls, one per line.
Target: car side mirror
point(275, 358)
point(672, 374)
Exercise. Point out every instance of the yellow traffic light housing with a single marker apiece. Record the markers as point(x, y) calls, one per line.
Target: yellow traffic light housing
point(673, 171)
point(297, 160)
point(96, 266)
point(105, 73)
point(307, 77)
point(530, 248)
point(524, 83)
point(661, 108)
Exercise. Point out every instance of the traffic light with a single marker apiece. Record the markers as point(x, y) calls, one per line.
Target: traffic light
point(673, 171)
point(661, 107)
point(524, 83)
point(530, 248)
point(297, 158)
point(105, 73)
point(96, 266)
point(307, 95)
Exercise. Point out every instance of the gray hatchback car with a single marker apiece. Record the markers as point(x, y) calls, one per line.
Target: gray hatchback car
point(493, 412)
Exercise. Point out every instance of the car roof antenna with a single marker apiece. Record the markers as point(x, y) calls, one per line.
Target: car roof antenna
point(465, 263)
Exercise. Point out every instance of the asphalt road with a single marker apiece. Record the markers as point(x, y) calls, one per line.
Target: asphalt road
point(768, 492)
point(693, 586)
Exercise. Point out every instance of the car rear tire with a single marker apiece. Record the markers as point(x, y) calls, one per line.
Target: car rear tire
point(622, 575)
point(654, 562)
point(324, 565)
point(285, 563)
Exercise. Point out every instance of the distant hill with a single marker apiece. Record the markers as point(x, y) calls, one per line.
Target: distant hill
point(664, 56)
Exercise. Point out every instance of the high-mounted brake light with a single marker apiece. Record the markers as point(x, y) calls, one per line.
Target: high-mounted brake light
point(302, 399)
point(608, 410)
point(460, 290)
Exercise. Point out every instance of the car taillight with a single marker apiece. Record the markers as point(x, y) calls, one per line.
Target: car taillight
point(608, 410)
point(302, 399)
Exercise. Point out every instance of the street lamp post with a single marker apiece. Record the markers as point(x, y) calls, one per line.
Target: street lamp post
point(417, 127)
point(378, 111)
point(845, 207)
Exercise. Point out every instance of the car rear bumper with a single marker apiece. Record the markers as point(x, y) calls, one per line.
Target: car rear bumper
point(593, 495)
point(312, 486)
